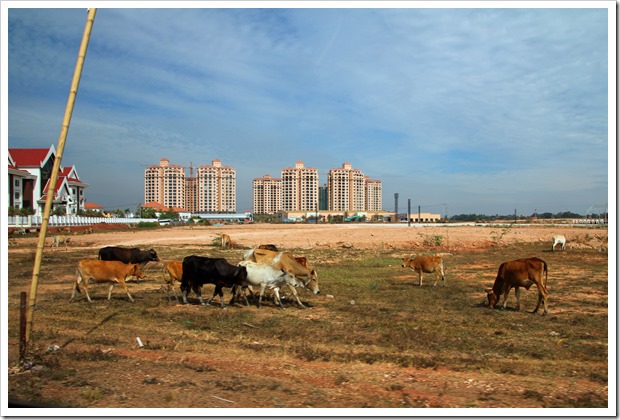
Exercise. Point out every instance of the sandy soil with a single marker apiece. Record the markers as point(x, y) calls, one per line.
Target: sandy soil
point(358, 236)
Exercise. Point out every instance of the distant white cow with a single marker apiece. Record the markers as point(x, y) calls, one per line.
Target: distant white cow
point(267, 276)
point(558, 239)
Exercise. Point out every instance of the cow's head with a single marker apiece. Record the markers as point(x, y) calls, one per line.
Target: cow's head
point(406, 262)
point(290, 279)
point(312, 282)
point(137, 271)
point(241, 276)
point(153, 255)
point(492, 298)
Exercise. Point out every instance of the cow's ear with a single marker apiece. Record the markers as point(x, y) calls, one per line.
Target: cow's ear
point(488, 290)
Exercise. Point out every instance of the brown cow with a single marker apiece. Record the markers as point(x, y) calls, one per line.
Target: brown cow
point(270, 247)
point(226, 242)
point(520, 273)
point(175, 271)
point(104, 272)
point(60, 239)
point(286, 261)
point(426, 265)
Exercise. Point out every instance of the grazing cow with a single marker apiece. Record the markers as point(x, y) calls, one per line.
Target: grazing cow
point(174, 269)
point(285, 261)
point(520, 273)
point(201, 270)
point(226, 242)
point(426, 265)
point(270, 247)
point(60, 239)
point(128, 255)
point(267, 276)
point(104, 272)
point(17, 231)
point(558, 240)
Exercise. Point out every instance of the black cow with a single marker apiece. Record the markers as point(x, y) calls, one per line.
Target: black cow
point(128, 255)
point(202, 270)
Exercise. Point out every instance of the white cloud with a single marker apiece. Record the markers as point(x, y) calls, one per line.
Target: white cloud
point(456, 98)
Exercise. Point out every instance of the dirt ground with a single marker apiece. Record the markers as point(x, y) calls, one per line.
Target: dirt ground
point(348, 385)
point(357, 236)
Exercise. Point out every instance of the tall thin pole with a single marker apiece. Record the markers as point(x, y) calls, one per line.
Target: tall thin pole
point(52, 186)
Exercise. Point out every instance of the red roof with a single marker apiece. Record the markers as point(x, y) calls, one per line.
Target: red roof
point(160, 207)
point(30, 157)
point(92, 206)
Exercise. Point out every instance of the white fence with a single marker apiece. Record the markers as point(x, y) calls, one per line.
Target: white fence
point(34, 221)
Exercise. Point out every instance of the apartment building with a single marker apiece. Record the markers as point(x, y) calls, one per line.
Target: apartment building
point(216, 188)
point(346, 189)
point(266, 195)
point(165, 184)
point(212, 190)
point(300, 188)
point(374, 194)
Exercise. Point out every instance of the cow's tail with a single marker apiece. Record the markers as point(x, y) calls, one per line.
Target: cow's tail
point(545, 272)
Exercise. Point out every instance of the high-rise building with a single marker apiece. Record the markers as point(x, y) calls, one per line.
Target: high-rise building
point(212, 190)
point(374, 195)
point(300, 188)
point(346, 189)
point(191, 191)
point(267, 195)
point(216, 188)
point(165, 184)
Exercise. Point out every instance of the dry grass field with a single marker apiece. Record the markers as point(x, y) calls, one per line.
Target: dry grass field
point(372, 338)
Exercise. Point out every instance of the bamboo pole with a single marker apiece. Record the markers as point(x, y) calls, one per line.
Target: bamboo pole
point(54, 177)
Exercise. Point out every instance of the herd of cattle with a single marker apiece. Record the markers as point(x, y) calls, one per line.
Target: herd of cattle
point(266, 267)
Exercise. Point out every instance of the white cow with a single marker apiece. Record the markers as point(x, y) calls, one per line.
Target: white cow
point(558, 239)
point(267, 276)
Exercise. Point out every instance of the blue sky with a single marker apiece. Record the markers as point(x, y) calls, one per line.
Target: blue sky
point(487, 110)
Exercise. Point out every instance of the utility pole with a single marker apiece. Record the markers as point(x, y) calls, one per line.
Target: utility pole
point(396, 207)
point(409, 212)
point(56, 168)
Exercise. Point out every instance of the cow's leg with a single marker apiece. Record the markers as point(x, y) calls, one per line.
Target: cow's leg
point(542, 299)
point(443, 276)
point(506, 292)
point(184, 295)
point(420, 278)
point(261, 294)
point(276, 292)
point(110, 291)
point(126, 291)
point(86, 290)
point(234, 293)
point(76, 285)
point(518, 296)
point(294, 292)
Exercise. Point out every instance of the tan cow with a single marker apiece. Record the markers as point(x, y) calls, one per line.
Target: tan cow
point(226, 242)
point(286, 261)
point(60, 239)
point(104, 272)
point(175, 270)
point(426, 265)
point(520, 273)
